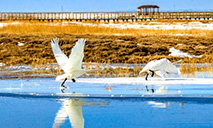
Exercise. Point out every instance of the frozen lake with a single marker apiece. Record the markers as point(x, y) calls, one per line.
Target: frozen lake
point(107, 102)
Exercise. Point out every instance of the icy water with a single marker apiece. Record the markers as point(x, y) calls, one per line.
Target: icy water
point(107, 103)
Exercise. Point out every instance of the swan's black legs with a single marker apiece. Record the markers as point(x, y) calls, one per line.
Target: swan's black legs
point(73, 80)
point(152, 73)
point(147, 89)
point(153, 91)
point(146, 76)
point(62, 84)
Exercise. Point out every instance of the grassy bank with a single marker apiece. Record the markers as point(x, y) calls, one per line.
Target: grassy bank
point(104, 44)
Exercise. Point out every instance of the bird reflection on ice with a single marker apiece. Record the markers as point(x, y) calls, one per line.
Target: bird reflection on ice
point(72, 109)
point(163, 104)
point(162, 90)
point(159, 104)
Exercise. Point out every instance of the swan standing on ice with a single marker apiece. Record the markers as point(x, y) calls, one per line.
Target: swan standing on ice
point(161, 67)
point(72, 65)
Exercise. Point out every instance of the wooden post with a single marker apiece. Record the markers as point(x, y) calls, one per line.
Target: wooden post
point(2, 16)
point(38, 16)
point(87, 15)
point(75, 16)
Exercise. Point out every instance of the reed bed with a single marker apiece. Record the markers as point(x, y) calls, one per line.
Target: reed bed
point(103, 48)
point(127, 70)
point(104, 45)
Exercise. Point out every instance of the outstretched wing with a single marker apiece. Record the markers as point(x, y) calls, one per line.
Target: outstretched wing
point(166, 66)
point(148, 66)
point(60, 57)
point(76, 57)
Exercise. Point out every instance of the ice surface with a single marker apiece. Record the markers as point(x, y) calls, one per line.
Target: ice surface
point(40, 102)
point(151, 81)
point(98, 87)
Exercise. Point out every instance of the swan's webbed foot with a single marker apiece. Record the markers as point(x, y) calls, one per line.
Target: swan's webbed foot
point(73, 80)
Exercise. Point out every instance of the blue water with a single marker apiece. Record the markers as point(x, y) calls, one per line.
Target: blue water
point(108, 113)
point(39, 103)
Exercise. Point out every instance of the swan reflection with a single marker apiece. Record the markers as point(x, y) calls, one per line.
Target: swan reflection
point(72, 109)
point(159, 104)
point(164, 104)
point(162, 91)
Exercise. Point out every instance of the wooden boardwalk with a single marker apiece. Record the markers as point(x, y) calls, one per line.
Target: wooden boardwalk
point(103, 16)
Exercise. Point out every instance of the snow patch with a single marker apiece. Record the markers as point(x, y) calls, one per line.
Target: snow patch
point(6, 24)
point(20, 44)
point(179, 34)
point(2, 64)
point(178, 53)
point(154, 25)
point(179, 44)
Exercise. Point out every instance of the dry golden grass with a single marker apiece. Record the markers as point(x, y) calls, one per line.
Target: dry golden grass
point(48, 28)
point(103, 48)
point(104, 44)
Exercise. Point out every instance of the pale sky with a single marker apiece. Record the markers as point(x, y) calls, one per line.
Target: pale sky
point(101, 5)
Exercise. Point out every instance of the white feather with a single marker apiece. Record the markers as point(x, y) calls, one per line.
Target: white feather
point(161, 67)
point(60, 57)
point(72, 65)
point(76, 57)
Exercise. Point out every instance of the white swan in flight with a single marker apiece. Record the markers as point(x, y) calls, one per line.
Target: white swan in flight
point(161, 67)
point(72, 65)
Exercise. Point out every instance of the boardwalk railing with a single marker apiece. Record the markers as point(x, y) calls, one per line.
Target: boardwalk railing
point(134, 16)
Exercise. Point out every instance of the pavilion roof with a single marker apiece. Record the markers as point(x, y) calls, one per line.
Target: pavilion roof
point(148, 6)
